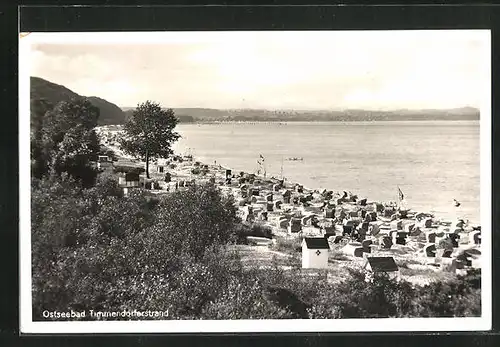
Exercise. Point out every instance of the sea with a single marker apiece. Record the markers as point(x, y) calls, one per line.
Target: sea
point(431, 162)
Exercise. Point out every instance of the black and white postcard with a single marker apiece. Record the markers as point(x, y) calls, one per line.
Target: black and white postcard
point(255, 181)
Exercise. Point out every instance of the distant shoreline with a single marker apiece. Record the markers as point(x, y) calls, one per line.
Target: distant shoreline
point(327, 121)
point(207, 115)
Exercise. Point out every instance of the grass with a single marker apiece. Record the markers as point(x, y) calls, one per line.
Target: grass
point(288, 245)
point(336, 254)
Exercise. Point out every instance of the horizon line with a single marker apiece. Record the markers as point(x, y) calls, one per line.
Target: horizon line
point(311, 109)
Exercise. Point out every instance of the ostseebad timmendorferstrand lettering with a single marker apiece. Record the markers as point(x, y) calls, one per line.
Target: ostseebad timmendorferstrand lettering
point(104, 314)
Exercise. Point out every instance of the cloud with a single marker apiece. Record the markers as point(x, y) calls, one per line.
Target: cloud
point(416, 69)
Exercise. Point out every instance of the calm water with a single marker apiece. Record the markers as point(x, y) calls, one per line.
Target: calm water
point(432, 162)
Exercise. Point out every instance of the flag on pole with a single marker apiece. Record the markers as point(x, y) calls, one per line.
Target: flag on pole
point(400, 194)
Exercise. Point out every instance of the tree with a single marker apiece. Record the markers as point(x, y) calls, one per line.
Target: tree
point(67, 115)
point(38, 108)
point(64, 140)
point(74, 153)
point(192, 220)
point(149, 132)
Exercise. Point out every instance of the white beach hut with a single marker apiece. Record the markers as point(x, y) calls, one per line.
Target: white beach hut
point(315, 253)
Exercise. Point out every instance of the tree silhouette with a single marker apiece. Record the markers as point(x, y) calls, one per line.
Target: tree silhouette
point(67, 142)
point(149, 132)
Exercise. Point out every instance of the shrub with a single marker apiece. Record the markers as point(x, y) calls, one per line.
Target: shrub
point(213, 224)
point(384, 297)
point(244, 298)
point(288, 245)
point(455, 298)
point(95, 249)
point(337, 254)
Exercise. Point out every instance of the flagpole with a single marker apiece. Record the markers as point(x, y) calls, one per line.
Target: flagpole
point(282, 167)
point(399, 198)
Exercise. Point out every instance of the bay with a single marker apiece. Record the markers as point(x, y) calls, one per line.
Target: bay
point(433, 162)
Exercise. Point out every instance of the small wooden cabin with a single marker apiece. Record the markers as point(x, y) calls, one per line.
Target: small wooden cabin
point(131, 180)
point(378, 265)
point(315, 253)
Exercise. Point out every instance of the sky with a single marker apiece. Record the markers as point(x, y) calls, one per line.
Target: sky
point(273, 70)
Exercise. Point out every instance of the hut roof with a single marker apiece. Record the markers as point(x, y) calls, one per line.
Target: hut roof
point(131, 176)
point(316, 243)
point(382, 264)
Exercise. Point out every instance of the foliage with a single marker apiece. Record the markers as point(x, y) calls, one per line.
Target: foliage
point(213, 222)
point(53, 93)
point(245, 297)
point(38, 108)
point(74, 152)
point(149, 132)
point(288, 245)
point(93, 248)
point(63, 139)
point(456, 298)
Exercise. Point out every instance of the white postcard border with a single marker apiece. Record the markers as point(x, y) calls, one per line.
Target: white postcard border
point(482, 323)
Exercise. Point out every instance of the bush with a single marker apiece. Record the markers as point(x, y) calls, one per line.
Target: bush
point(213, 224)
point(337, 254)
point(384, 297)
point(245, 298)
point(288, 245)
point(456, 298)
point(244, 229)
point(95, 249)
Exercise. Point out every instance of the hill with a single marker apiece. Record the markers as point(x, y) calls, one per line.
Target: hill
point(52, 93)
point(110, 113)
point(253, 115)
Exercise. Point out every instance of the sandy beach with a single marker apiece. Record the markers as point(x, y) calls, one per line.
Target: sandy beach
point(355, 227)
